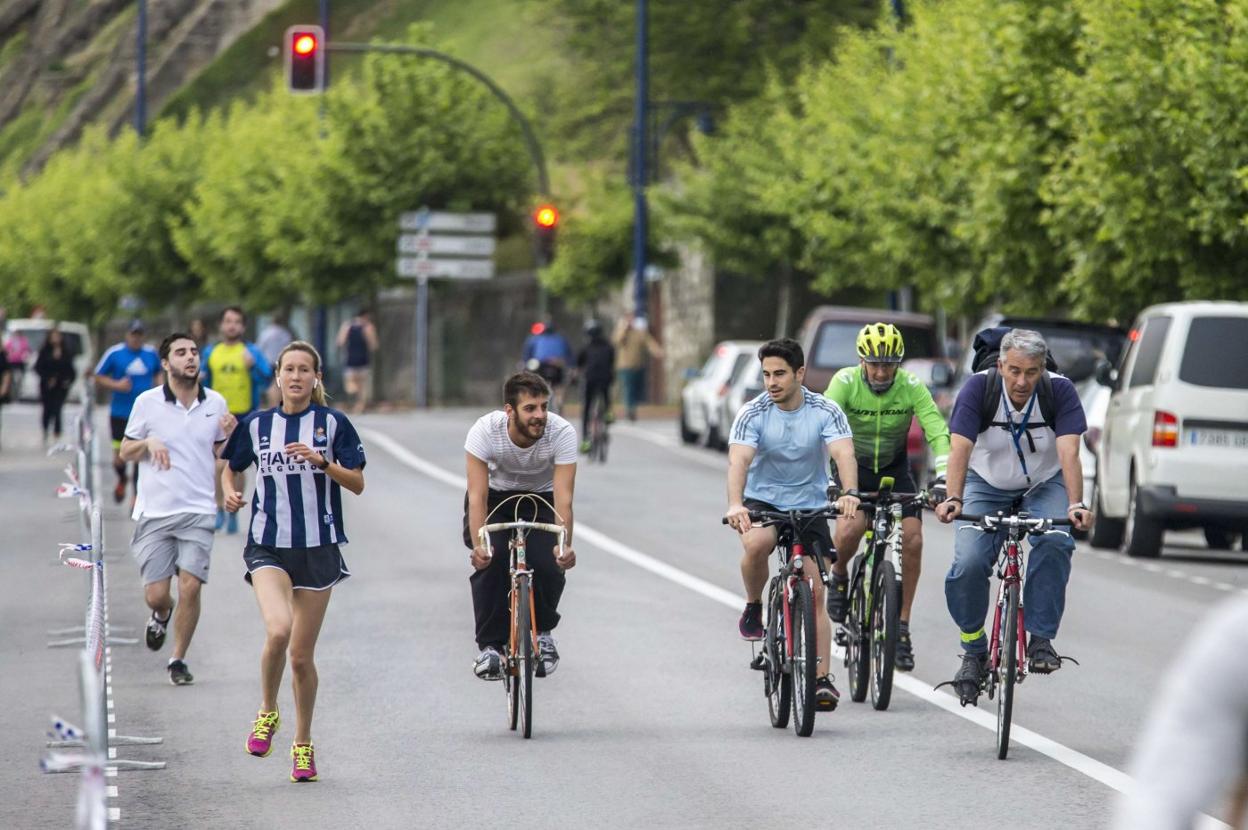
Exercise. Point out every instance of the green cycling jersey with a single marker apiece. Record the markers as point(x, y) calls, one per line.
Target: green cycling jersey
point(880, 422)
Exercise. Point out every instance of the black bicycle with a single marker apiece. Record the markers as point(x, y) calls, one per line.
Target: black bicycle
point(789, 659)
point(872, 625)
point(599, 436)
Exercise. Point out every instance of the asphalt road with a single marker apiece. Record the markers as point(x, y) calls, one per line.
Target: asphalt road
point(653, 717)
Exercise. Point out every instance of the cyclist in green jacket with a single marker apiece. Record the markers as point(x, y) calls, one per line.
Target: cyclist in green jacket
point(880, 398)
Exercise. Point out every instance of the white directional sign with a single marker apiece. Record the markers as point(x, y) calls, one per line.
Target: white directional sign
point(456, 269)
point(436, 220)
point(423, 243)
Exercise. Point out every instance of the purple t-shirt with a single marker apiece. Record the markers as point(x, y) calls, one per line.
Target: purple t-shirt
point(994, 457)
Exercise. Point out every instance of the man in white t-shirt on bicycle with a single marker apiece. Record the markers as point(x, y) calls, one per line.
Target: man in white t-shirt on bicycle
point(524, 449)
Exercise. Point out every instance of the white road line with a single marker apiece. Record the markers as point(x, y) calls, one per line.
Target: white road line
point(1094, 769)
point(1200, 580)
point(1224, 586)
point(683, 450)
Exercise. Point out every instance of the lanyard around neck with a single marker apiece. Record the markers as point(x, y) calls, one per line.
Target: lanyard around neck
point(1017, 433)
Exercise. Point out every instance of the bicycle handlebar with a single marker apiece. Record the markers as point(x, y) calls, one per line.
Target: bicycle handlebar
point(771, 517)
point(998, 521)
point(484, 533)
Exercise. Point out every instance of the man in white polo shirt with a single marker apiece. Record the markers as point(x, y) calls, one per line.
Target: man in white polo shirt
point(175, 432)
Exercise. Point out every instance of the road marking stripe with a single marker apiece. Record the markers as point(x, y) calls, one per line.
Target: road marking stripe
point(1092, 768)
point(674, 444)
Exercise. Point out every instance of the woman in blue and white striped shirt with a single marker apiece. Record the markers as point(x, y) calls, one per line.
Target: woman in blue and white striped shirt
point(305, 453)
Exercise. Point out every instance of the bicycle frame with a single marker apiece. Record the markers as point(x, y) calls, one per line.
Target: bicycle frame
point(1010, 570)
point(519, 570)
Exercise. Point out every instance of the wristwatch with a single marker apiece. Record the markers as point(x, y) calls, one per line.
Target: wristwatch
point(854, 492)
point(1078, 506)
point(324, 466)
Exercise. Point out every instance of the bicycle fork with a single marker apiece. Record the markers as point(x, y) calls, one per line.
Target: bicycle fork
point(520, 569)
point(1009, 573)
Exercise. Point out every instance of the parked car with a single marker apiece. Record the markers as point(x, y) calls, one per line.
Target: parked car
point(1174, 452)
point(745, 386)
point(1077, 347)
point(77, 339)
point(702, 399)
point(830, 333)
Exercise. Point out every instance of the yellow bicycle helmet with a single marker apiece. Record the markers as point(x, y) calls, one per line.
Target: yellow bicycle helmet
point(881, 343)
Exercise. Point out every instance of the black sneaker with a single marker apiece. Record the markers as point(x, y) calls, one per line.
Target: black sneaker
point(751, 622)
point(179, 675)
point(155, 634)
point(970, 677)
point(905, 650)
point(838, 598)
point(1041, 658)
point(826, 695)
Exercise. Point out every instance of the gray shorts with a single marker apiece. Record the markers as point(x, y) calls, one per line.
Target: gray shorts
point(165, 545)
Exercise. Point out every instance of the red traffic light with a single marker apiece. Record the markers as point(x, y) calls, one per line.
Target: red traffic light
point(546, 216)
point(305, 59)
point(305, 44)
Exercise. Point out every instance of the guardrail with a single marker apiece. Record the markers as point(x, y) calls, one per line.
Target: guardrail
point(97, 739)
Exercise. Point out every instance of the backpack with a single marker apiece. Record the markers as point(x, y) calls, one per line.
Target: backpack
point(987, 348)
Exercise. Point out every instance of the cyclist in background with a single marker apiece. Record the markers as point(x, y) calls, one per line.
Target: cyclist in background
point(778, 460)
point(596, 365)
point(547, 352)
point(880, 399)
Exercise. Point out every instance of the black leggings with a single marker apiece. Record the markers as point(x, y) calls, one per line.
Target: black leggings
point(594, 390)
point(53, 401)
point(491, 584)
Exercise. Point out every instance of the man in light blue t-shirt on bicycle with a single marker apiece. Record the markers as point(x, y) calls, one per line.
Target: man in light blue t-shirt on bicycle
point(778, 460)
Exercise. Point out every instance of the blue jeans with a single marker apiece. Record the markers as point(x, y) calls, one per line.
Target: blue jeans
point(974, 554)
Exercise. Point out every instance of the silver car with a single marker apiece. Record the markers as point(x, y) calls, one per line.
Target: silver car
point(702, 401)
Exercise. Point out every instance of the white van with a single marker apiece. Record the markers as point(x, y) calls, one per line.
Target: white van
point(35, 330)
point(1174, 451)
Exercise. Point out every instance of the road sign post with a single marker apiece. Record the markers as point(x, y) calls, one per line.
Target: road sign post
point(443, 245)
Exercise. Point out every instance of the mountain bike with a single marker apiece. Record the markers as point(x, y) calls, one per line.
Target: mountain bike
point(519, 659)
point(872, 624)
point(789, 659)
point(1007, 648)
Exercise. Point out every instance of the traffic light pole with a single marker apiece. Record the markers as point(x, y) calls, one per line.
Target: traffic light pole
point(140, 60)
point(641, 218)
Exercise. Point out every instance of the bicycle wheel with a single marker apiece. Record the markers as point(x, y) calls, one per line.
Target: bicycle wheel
point(1008, 670)
point(805, 660)
point(510, 684)
point(524, 659)
point(857, 653)
point(777, 684)
point(885, 623)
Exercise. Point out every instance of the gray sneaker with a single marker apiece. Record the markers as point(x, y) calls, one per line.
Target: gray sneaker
point(489, 664)
point(154, 634)
point(547, 654)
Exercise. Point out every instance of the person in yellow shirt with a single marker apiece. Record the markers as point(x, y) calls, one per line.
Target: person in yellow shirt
point(240, 372)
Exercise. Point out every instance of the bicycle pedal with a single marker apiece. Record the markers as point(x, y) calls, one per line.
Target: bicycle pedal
point(841, 636)
point(759, 663)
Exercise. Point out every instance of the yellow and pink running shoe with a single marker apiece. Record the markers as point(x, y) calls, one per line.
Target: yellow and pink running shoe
point(260, 741)
point(305, 763)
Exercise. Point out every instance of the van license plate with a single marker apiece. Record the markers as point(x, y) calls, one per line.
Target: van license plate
point(1228, 438)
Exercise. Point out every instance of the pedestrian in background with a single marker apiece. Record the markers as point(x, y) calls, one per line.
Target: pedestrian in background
point(55, 368)
point(240, 372)
point(304, 453)
point(174, 434)
point(18, 350)
point(357, 340)
point(127, 370)
point(272, 339)
point(634, 346)
point(5, 382)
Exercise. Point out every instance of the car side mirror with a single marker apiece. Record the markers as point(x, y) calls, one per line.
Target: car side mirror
point(1106, 374)
point(942, 375)
point(690, 374)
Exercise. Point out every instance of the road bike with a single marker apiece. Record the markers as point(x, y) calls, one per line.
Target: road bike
point(873, 622)
point(1007, 648)
point(789, 658)
point(599, 437)
point(519, 658)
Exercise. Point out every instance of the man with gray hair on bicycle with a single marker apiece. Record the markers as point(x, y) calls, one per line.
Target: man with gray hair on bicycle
point(522, 450)
point(1015, 440)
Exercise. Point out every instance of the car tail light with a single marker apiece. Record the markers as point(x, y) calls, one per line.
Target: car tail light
point(1091, 437)
point(1165, 430)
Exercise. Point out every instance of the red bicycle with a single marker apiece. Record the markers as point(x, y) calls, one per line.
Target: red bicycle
point(1007, 649)
point(789, 659)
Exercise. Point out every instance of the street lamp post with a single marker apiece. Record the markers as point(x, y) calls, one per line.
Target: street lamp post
point(640, 151)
